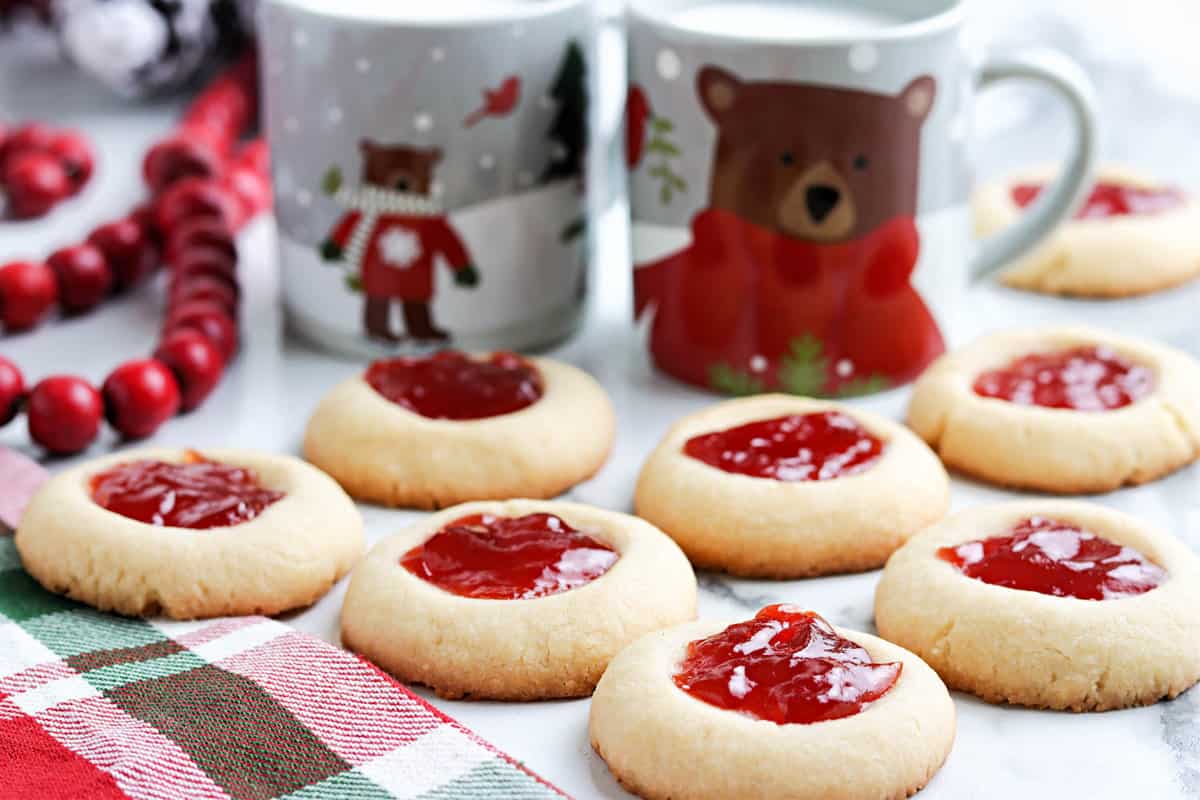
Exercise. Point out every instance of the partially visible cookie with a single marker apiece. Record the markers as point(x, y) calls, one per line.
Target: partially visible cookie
point(514, 600)
point(429, 432)
point(1133, 235)
point(1048, 603)
point(190, 534)
point(1065, 410)
point(708, 712)
point(782, 486)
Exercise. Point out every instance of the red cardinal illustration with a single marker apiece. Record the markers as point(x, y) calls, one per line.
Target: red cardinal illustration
point(497, 102)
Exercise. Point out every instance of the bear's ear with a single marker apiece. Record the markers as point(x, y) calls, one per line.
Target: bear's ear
point(718, 91)
point(918, 96)
point(367, 147)
point(434, 155)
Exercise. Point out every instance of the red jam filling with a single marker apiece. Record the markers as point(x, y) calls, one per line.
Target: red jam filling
point(799, 447)
point(1111, 199)
point(1081, 379)
point(1056, 558)
point(509, 558)
point(784, 666)
point(452, 385)
point(196, 493)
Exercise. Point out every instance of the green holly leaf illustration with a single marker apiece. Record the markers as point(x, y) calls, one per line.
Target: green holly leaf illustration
point(664, 194)
point(724, 378)
point(658, 145)
point(869, 384)
point(354, 282)
point(804, 369)
point(332, 181)
point(662, 125)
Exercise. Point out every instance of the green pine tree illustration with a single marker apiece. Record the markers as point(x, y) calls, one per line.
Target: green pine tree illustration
point(804, 369)
point(727, 380)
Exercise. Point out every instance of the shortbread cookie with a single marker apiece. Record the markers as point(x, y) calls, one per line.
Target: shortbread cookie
point(782, 706)
point(515, 600)
point(1133, 235)
point(429, 432)
point(1065, 410)
point(190, 534)
point(783, 487)
point(1048, 603)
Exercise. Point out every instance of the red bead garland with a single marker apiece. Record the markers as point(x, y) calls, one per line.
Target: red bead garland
point(192, 222)
point(40, 167)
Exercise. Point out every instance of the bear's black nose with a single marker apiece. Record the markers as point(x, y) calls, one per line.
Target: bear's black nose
point(820, 200)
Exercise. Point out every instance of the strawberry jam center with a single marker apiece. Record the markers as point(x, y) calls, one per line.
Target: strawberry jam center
point(1111, 199)
point(1080, 378)
point(195, 493)
point(799, 447)
point(784, 666)
point(452, 385)
point(509, 558)
point(1056, 558)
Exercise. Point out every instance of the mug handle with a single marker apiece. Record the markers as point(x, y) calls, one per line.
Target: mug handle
point(1064, 195)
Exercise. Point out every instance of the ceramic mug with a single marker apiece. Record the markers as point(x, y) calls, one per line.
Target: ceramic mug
point(799, 186)
point(428, 164)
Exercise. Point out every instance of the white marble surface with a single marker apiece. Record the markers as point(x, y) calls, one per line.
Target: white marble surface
point(999, 753)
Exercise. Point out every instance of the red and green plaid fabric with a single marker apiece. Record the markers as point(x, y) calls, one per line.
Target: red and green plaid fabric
point(98, 706)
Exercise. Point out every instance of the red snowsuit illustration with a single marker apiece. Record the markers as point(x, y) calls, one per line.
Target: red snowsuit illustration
point(742, 296)
point(398, 256)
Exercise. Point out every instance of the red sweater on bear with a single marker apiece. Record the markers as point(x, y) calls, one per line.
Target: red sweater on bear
point(747, 298)
point(398, 253)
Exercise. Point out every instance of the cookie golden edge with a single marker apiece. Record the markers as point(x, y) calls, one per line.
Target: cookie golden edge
point(1101, 258)
point(763, 528)
point(1026, 648)
point(1058, 450)
point(383, 453)
point(544, 648)
point(287, 557)
point(660, 743)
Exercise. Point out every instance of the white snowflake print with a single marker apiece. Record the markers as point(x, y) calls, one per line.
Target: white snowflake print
point(399, 247)
point(864, 57)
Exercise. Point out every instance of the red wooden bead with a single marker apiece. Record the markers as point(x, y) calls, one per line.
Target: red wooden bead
point(186, 153)
point(32, 137)
point(193, 197)
point(128, 248)
point(255, 155)
point(27, 292)
point(196, 362)
point(202, 287)
point(205, 262)
point(84, 277)
point(64, 414)
point(75, 154)
point(199, 232)
point(12, 390)
point(35, 182)
point(251, 189)
point(139, 396)
point(210, 319)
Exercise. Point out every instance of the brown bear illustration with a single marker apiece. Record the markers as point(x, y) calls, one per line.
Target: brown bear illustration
point(392, 234)
point(814, 162)
point(798, 272)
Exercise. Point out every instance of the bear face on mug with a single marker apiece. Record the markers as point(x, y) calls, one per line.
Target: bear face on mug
point(399, 168)
point(813, 162)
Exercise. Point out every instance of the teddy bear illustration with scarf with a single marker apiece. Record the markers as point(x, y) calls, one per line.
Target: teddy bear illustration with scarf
point(392, 236)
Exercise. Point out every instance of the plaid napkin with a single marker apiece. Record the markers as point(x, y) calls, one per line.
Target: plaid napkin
point(98, 706)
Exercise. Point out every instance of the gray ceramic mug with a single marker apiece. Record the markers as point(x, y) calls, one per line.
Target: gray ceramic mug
point(799, 186)
point(428, 163)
